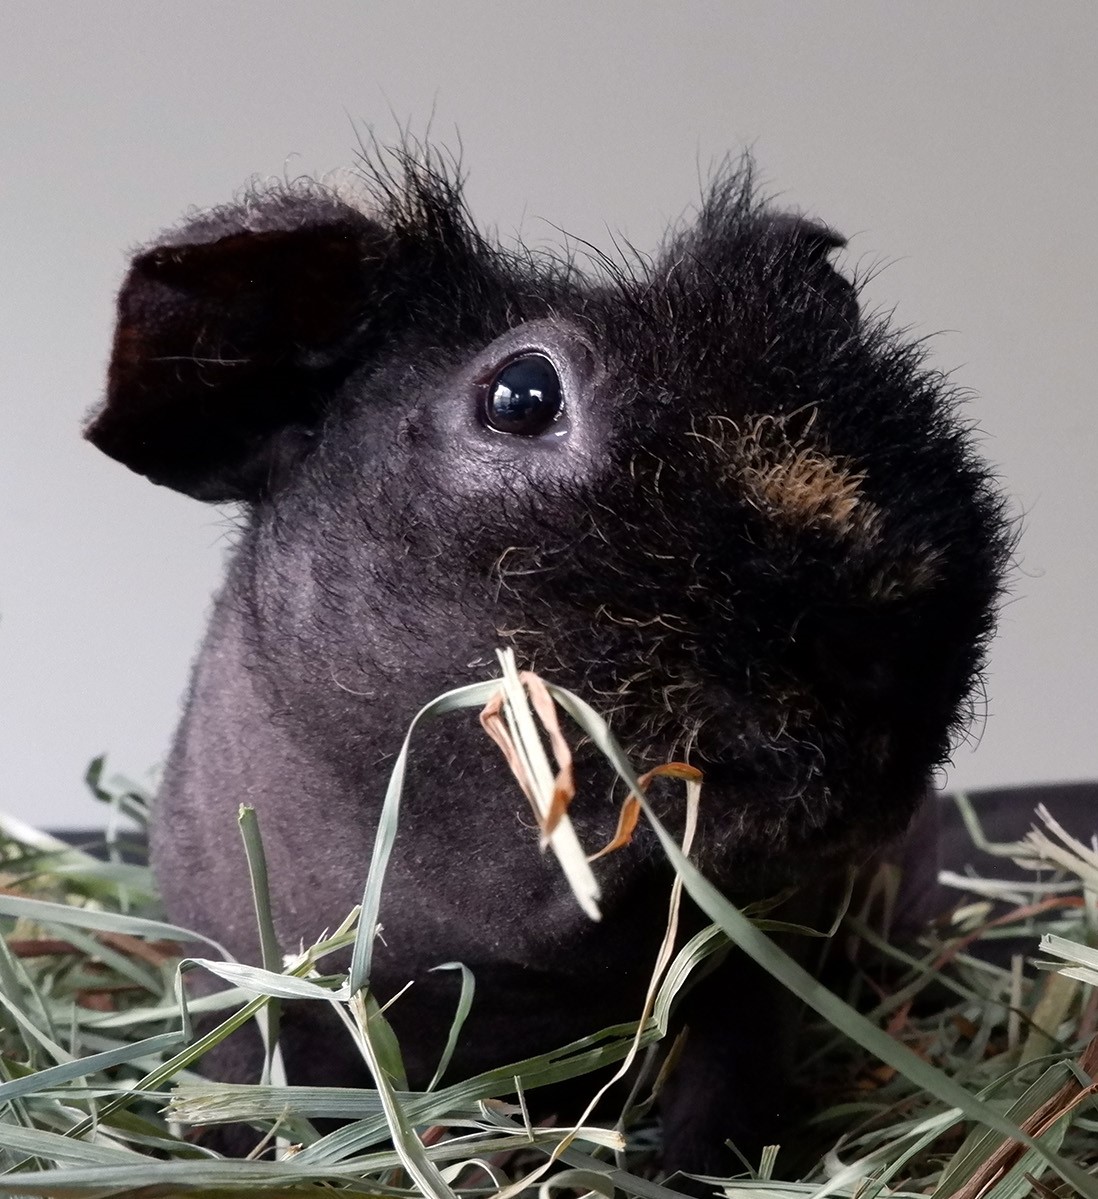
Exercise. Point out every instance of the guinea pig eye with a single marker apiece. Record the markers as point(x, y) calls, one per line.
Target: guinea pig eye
point(524, 396)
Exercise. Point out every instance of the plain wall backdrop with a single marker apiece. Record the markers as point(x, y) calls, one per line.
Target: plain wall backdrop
point(953, 142)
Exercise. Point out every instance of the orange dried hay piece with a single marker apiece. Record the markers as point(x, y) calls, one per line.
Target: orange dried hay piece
point(631, 808)
point(154, 953)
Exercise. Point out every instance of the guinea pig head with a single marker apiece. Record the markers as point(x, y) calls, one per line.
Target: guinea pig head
point(702, 489)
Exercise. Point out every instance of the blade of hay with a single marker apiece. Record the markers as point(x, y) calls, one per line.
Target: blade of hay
point(158, 1014)
point(409, 1147)
point(269, 951)
point(268, 983)
point(43, 911)
point(54, 1076)
point(465, 1002)
point(223, 1102)
point(270, 1017)
point(1058, 994)
point(476, 694)
point(538, 781)
point(1083, 959)
point(31, 1030)
point(53, 1146)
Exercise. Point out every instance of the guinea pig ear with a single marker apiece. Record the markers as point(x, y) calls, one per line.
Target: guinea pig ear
point(807, 234)
point(810, 243)
point(231, 336)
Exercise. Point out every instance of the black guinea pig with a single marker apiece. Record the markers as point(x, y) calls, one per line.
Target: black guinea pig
point(701, 489)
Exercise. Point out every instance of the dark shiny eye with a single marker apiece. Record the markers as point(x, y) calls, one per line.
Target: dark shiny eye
point(524, 397)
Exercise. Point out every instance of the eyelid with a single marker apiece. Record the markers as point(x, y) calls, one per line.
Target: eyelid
point(486, 377)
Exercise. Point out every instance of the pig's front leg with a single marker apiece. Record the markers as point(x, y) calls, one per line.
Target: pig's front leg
point(732, 1080)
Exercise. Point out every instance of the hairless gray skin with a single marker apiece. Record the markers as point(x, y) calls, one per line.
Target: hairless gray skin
point(702, 490)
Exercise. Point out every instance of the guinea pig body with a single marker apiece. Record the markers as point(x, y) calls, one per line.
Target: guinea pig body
point(703, 491)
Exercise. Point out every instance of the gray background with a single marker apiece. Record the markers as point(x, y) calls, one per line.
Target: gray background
point(955, 143)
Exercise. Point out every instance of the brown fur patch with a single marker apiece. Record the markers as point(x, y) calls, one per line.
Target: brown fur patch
point(799, 482)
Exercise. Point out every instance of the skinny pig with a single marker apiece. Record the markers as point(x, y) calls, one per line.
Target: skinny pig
point(702, 489)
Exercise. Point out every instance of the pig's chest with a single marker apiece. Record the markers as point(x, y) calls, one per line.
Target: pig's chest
point(519, 911)
point(545, 974)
